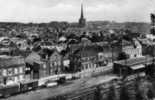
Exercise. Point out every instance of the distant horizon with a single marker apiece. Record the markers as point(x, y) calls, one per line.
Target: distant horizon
point(73, 22)
point(44, 11)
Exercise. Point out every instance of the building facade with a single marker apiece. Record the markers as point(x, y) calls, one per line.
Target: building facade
point(36, 67)
point(90, 56)
point(55, 62)
point(12, 69)
point(134, 50)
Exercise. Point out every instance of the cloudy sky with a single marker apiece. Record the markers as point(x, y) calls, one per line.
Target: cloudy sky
point(69, 10)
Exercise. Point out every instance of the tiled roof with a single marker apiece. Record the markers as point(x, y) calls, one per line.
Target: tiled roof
point(88, 51)
point(11, 62)
point(33, 58)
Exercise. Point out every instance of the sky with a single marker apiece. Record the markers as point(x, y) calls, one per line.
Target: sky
point(69, 10)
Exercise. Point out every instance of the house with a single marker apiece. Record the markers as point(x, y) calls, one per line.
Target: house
point(36, 67)
point(148, 46)
point(132, 48)
point(8, 48)
point(150, 37)
point(12, 69)
point(85, 41)
point(22, 44)
point(55, 61)
point(131, 66)
point(89, 57)
point(5, 40)
point(43, 63)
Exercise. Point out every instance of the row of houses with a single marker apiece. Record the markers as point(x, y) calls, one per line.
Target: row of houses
point(40, 64)
point(93, 56)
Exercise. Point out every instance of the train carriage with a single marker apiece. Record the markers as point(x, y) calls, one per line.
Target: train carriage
point(60, 79)
point(28, 85)
point(9, 90)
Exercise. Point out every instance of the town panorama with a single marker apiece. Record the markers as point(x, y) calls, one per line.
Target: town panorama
point(84, 60)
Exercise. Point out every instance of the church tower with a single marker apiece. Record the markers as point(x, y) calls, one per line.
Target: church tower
point(82, 20)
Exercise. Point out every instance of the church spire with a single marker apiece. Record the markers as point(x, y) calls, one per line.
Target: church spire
point(82, 20)
point(82, 16)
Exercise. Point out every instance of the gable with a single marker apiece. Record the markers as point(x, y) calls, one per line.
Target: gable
point(55, 56)
point(33, 57)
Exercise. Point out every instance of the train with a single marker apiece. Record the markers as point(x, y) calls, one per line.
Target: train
point(29, 85)
point(86, 92)
point(17, 88)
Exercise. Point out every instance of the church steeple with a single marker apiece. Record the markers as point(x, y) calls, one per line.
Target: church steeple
point(82, 16)
point(82, 20)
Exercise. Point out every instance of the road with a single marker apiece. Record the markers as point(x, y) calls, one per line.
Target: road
point(42, 94)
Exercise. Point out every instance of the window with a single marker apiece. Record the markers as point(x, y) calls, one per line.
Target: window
point(16, 79)
point(10, 71)
point(51, 64)
point(55, 63)
point(95, 65)
point(15, 70)
point(88, 65)
point(135, 55)
point(4, 72)
point(21, 77)
point(20, 69)
point(51, 71)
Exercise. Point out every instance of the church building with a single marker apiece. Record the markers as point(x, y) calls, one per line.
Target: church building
point(82, 20)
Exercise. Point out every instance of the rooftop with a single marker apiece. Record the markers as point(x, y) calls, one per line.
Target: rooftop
point(134, 61)
point(11, 61)
point(88, 51)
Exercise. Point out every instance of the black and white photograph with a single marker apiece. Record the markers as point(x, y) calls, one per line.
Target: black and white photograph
point(77, 49)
